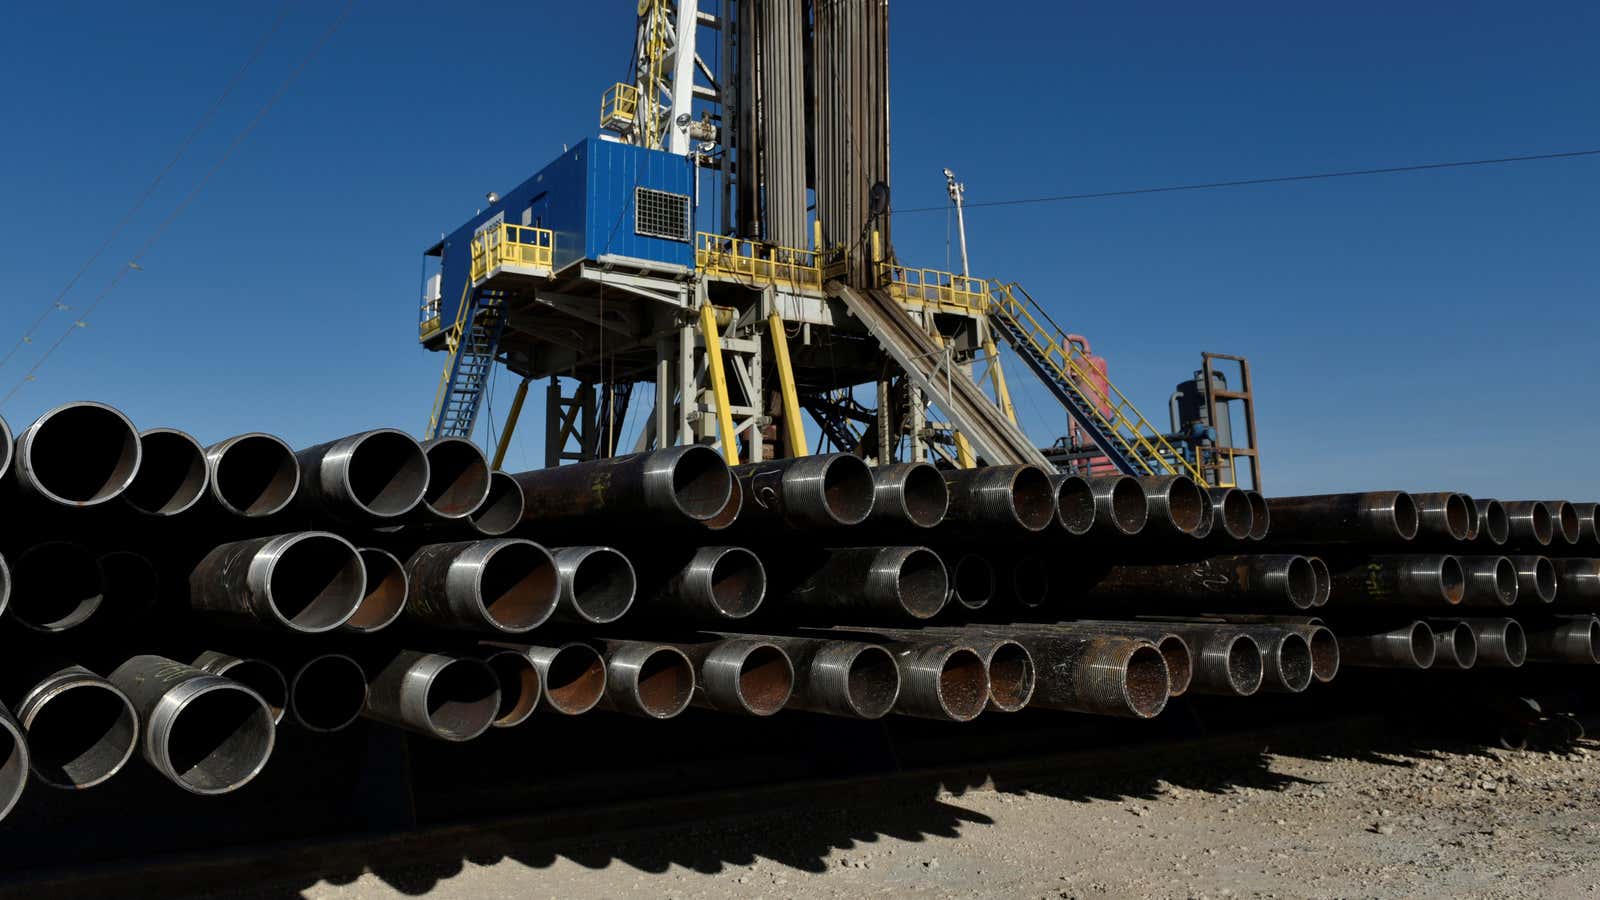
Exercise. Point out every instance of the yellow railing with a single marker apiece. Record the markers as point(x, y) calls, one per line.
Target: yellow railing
point(511, 245)
point(911, 285)
point(619, 108)
point(1116, 413)
point(740, 259)
point(452, 342)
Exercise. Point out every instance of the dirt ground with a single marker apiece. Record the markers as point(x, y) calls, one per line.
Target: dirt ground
point(1447, 821)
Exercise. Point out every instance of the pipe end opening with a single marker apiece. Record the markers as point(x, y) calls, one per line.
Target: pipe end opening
point(872, 682)
point(575, 679)
point(219, 740)
point(519, 586)
point(738, 582)
point(1011, 676)
point(328, 693)
point(317, 582)
point(458, 477)
point(921, 583)
point(1146, 684)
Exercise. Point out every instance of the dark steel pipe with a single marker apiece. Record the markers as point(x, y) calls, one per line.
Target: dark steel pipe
point(1577, 582)
point(521, 686)
point(1324, 580)
point(943, 681)
point(909, 495)
point(81, 729)
point(206, 733)
point(307, 582)
point(371, 478)
point(1529, 523)
point(1010, 666)
point(451, 698)
point(1588, 532)
point(385, 596)
point(1431, 580)
point(1494, 525)
point(258, 675)
point(1473, 517)
point(1260, 516)
point(1455, 646)
point(572, 675)
point(1501, 642)
point(1491, 581)
point(1567, 639)
point(1096, 673)
point(14, 762)
point(1180, 663)
point(1536, 579)
point(327, 693)
point(1411, 647)
point(458, 478)
point(883, 583)
point(77, 455)
point(1442, 516)
point(1281, 581)
point(998, 499)
point(172, 474)
point(744, 676)
point(1324, 649)
point(729, 513)
point(714, 584)
point(597, 585)
point(972, 580)
point(252, 475)
point(1026, 580)
point(55, 585)
point(841, 678)
point(7, 445)
point(1175, 505)
point(688, 483)
point(1221, 659)
point(1208, 519)
point(508, 585)
point(501, 509)
point(130, 587)
point(1565, 527)
point(655, 681)
point(1374, 517)
point(1285, 659)
point(1120, 505)
point(833, 490)
point(1075, 504)
point(1231, 513)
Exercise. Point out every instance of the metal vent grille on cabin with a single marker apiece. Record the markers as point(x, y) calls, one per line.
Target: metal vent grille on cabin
point(661, 214)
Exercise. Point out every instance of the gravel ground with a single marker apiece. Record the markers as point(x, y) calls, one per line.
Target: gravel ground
point(1449, 821)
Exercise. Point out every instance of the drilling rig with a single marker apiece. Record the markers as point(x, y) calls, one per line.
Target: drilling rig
point(720, 259)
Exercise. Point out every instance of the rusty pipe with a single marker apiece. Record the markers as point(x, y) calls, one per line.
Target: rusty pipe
point(1012, 677)
point(81, 729)
point(385, 596)
point(710, 584)
point(687, 483)
point(833, 490)
point(1536, 579)
point(1281, 581)
point(597, 585)
point(1420, 580)
point(729, 513)
point(252, 475)
point(172, 473)
point(1174, 503)
point(1221, 660)
point(840, 678)
point(1208, 519)
point(743, 675)
point(1096, 673)
point(258, 675)
point(307, 582)
point(76, 455)
point(1411, 647)
point(1565, 639)
point(652, 680)
point(1285, 658)
point(1491, 581)
point(1075, 504)
point(1473, 517)
point(1494, 525)
point(508, 585)
point(909, 494)
point(520, 682)
point(1372, 517)
point(886, 583)
point(572, 675)
point(1000, 499)
point(1232, 513)
point(372, 478)
point(1260, 516)
point(1120, 506)
point(943, 681)
point(458, 479)
point(449, 698)
point(206, 733)
point(501, 509)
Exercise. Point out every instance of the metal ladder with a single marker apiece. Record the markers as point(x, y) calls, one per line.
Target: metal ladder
point(1121, 432)
point(473, 340)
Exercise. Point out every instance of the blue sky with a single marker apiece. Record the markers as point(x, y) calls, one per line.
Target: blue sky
point(1419, 331)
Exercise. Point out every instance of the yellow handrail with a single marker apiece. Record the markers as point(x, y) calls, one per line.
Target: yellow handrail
point(740, 259)
point(452, 340)
point(906, 283)
point(524, 245)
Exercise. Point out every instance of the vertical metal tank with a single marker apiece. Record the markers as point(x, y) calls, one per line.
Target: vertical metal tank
point(1187, 408)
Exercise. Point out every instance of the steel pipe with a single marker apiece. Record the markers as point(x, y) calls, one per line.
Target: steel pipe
point(1175, 505)
point(81, 729)
point(729, 513)
point(1324, 650)
point(1397, 580)
point(572, 675)
point(172, 474)
point(1012, 677)
point(1529, 523)
point(972, 580)
point(909, 495)
point(1411, 647)
point(7, 445)
point(458, 478)
point(1455, 646)
point(371, 478)
point(1494, 525)
point(687, 483)
point(501, 509)
point(1536, 579)
point(252, 475)
point(655, 681)
point(1588, 532)
point(841, 678)
point(55, 585)
point(1260, 516)
point(385, 596)
point(450, 698)
point(1566, 639)
point(307, 582)
point(1018, 499)
point(1501, 642)
point(1376, 517)
point(508, 585)
point(1491, 581)
point(744, 676)
point(327, 693)
point(943, 681)
point(597, 585)
point(1565, 526)
point(1324, 580)
point(521, 686)
point(1075, 504)
point(1286, 665)
point(1120, 506)
point(14, 761)
point(206, 733)
point(1026, 581)
point(1096, 674)
point(1473, 518)
point(130, 587)
point(1208, 519)
point(832, 490)
point(714, 584)
point(76, 455)
point(1577, 582)
point(884, 583)
point(1282, 581)
point(1442, 516)
point(1216, 659)
point(1232, 514)
point(258, 675)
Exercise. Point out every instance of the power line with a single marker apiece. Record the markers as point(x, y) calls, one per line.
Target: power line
point(133, 263)
point(116, 230)
point(1281, 179)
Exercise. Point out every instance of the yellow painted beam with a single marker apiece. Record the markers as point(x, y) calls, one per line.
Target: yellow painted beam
point(719, 383)
point(794, 429)
point(1001, 392)
point(964, 456)
point(511, 424)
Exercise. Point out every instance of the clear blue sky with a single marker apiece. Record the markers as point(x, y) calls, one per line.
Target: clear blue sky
point(1418, 331)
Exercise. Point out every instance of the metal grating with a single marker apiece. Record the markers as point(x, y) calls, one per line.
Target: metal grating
point(661, 214)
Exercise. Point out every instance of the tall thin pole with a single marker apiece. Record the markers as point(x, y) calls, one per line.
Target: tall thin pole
point(957, 192)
